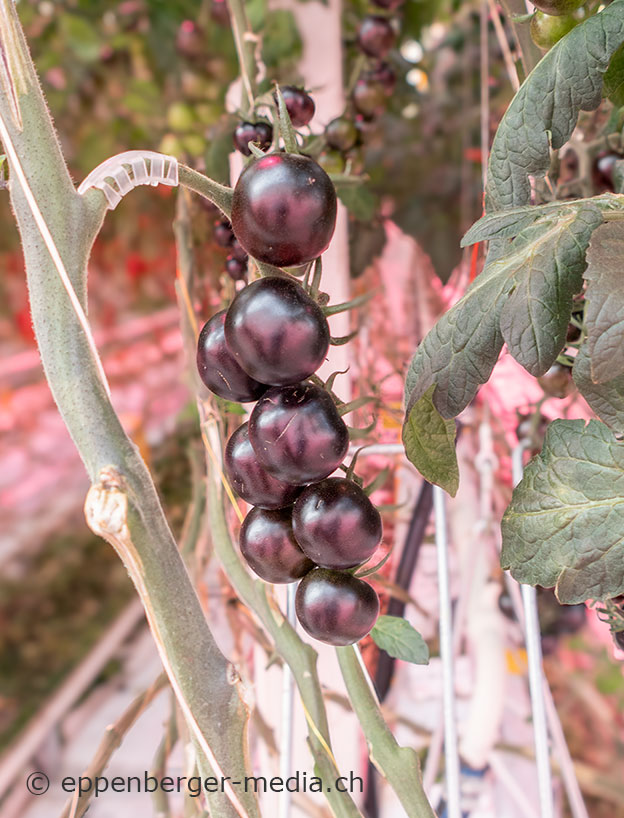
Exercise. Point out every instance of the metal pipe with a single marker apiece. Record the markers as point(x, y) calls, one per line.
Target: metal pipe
point(451, 753)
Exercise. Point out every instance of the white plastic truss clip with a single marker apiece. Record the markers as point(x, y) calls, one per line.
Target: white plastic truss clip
point(122, 173)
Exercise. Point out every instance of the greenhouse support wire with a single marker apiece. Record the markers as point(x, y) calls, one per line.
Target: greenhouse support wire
point(536, 673)
point(451, 754)
point(286, 733)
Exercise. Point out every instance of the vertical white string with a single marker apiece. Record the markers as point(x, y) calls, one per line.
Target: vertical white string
point(286, 734)
point(451, 753)
point(536, 674)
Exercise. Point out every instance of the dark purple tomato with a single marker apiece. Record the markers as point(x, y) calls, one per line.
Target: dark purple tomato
point(222, 232)
point(249, 479)
point(336, 524)
point(603, 170)
point(376, 36)
point(383, 74)
point(260, 133)
point(618, 638)
point(297, 433)
point(369, 98)
point(336, 607)
point(506, 607)
point(235, 268)
point(264, 135)
point(557, 382)
point(299, 104)
point(341, 134)
point(284, 209)
point(244, 133)
point(237, 251)
point(219, 12)
point(571, 618)
point(190, 40)
point(219, 369)
point(276, 331)
point(268, 545)
point(390, 5)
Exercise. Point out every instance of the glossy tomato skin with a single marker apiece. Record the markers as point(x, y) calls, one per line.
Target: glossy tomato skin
point(341, 134)
point(385, 75)
point(547, 30)
point(376, 36)
point(260, 133)
point(268, 545)
point(284, 209)
point(249, 479)
point(369, 98)
point(336, 607)
point(298, 434)
point(222, 233)
point(299, 104)
point(557, 381)
point(559, 7)
point(244, 133)
point(336, 524)
point(264, 135)
point(219, 369)
point(235, 268)
point(278, 334)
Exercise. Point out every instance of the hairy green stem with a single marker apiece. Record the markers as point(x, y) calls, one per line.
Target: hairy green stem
point(399, 765)
point(220, 195)
point(245, 43)
point(122, 505)
point(297, 654)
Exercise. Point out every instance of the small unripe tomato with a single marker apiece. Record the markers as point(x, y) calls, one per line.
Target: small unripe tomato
point(558, 7)
point(181, 117)
point(341, 134)
point(332, 162)
point(369, 98)
point(546, 30)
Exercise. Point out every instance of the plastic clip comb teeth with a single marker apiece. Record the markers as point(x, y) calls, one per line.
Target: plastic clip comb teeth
point(161, 170)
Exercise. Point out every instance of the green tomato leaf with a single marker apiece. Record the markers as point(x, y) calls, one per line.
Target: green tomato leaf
point(505, 224)
point(604, 312)
point(400, 640)
point(429, 442)
point(358, 199)
point(565, 524)
point(605, 399)
point(534, 319)
point(614, 79)
point(544, 112)
point(523, 297)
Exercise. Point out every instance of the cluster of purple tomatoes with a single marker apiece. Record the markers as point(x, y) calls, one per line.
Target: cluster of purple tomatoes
point(305, 525)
